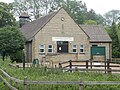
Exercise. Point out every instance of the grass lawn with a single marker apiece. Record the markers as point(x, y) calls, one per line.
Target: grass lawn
point(45, 74)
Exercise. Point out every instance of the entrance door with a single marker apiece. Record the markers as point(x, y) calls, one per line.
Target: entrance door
point(62, 46)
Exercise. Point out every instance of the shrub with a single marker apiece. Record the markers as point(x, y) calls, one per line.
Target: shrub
point(17, 56)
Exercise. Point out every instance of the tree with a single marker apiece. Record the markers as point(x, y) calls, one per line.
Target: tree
point(115, 40)
point(11, 40)
point(111, 16)
point(6, 18)
point(17, 56)
point(35, 8)
point(90, 22)
point(38, 8)
point(91, 15)
point(77, 10)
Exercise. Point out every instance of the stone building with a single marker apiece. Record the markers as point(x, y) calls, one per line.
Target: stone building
point(56, 38)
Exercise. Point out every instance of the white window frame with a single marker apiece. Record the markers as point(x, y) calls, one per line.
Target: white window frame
point(74, 48)
point(40, 48)
point(50, 48)
point(81, 48)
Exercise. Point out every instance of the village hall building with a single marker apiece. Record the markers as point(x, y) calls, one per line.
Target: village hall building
point(57, 37)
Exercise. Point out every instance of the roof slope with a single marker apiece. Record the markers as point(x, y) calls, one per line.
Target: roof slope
point(31, 28)
point(96, 33)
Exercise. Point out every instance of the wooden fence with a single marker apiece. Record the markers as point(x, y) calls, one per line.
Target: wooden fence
point(88, 65)
point(11, 79)
point(115, 60)
point(27, 82)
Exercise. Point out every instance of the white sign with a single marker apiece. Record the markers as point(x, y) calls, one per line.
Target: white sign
point(62, 39)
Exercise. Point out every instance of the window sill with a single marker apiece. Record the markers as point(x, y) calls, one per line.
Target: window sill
point(50, 53)
point(74, 52)
point(82, 52)
point(42, 53)
point(77, 52)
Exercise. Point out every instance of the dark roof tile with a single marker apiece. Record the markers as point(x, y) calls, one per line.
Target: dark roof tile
point(96, 33)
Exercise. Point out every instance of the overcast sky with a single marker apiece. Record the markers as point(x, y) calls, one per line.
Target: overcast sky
point(100, 6)
point(6, 1)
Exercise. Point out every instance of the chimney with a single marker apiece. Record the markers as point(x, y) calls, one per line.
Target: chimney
point(23, 19)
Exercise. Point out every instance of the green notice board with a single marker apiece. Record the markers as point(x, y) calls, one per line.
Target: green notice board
point(98, 50)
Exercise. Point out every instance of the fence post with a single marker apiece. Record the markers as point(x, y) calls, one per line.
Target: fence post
point(91, 63)
point(24, 83)
point(108, 63)
point(86, 64)
point(81, 85)
point(108, 66)
point(105, 66)
point(60, 65)
point(70, 63)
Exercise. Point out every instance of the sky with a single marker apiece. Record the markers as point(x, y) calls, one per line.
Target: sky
point(6, 1)
point(99, 6)
point(102, 6)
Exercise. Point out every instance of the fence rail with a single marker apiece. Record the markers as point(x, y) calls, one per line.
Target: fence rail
point(75, 82)
point(10, 86)
point(89, 64)
point(81, 69)
point(11, 78)
point(80, 83)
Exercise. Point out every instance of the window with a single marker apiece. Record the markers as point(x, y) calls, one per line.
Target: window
point(74, 48)
point(81, 48)
point(50, 48)
point(42, 48)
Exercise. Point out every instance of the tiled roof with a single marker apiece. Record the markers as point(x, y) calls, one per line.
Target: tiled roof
point(30, 29)
point(96, 33)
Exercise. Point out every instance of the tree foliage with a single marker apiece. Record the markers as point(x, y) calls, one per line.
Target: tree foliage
point(11, 40)
point(90, 22)
point(77, 10)
point(6, 17)
point(111, 16)
point(91, 15)
point(17, 56)
point(37, 8)
point(31, 6)
point(115, 40)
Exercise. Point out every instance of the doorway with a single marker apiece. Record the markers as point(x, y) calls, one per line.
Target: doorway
point(62, 46)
